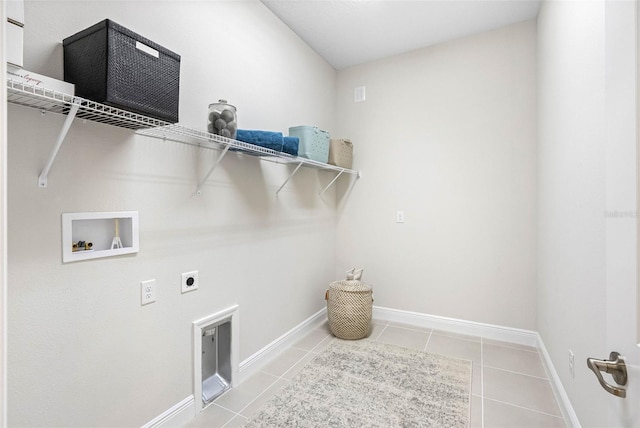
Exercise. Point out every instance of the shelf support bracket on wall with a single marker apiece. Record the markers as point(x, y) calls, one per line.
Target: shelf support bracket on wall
point(215, 164)
point(42, 179)
point(330, 184)
point(289, 178)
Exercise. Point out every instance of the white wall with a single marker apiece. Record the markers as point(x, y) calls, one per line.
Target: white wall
point(572, 195)
point(447, 134)
point(83, 352)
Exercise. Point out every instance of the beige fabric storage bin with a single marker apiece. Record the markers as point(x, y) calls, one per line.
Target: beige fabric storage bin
point(341, 152)
point(349, 308)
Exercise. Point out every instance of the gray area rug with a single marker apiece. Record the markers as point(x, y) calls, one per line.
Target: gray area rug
point(370, 384)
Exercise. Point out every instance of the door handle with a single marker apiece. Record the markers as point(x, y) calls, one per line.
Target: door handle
point(616, 367)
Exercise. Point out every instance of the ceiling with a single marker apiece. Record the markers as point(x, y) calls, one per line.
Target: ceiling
point(350, 32)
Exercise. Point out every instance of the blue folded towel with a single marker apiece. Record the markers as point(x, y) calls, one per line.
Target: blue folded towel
point(267, 139)
point(291, 145)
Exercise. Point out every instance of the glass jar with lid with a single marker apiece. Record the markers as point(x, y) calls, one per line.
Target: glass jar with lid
point(223, 119)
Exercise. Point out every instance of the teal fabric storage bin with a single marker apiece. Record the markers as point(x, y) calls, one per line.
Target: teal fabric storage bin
point(314, 142)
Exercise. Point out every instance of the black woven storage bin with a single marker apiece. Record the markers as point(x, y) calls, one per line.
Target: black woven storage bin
point(113, 65)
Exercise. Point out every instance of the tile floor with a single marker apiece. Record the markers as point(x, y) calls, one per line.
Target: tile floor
point(509, 387)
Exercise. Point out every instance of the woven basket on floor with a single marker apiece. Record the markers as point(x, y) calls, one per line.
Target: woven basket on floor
point(349, 305)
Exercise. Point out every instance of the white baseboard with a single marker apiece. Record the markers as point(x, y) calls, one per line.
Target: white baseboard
point(558, 390)
point(183, 412)
point(453, 325)
point(489, 331)
point(252, 364)
point(177, 416)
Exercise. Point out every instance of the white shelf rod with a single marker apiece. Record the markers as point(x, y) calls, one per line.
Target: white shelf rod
point(206, 177)
point(332, 181)
point(42, 179)
point(289, 178)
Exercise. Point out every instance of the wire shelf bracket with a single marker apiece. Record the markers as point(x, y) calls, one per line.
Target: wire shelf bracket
point(49, 100)
point(357, 174)
point(330, 184)
point(213, 167)
point(289, 178)
point(42, 179)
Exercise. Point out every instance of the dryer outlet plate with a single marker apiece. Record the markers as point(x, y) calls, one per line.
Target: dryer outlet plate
point(189, 281)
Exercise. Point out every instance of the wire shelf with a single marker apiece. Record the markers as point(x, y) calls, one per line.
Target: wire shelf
point(48, 100)
point(57, 102)
point(194, 137)
point(203, 139)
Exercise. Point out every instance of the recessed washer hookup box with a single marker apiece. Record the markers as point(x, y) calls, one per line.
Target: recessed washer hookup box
point(112, 65)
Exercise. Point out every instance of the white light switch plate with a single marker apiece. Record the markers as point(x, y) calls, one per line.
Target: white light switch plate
point(359, 94)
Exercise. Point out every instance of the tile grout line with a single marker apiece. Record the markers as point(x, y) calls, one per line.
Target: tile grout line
point(428, 340)
point(518, 373)
point(224, 408)
point(385, 325)
point(454, 336)
point(229, 421)
point(299, 349)
point(525, 408)
point(278, 378)
point(296, 363)
point(313, 349)
point(406, 327)
point(327, 338)
point(378, 336)
point(512, 346)
point(307, 352)
point(383, 330)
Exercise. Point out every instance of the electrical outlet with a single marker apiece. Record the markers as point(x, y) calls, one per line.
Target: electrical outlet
point(189, 281)
point(572, 367)
point(147, 292)
point(399, 216)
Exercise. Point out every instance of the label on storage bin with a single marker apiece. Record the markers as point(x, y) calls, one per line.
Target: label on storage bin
point(147, 49)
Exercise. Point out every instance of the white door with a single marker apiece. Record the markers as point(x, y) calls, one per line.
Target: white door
point(622, 185)
point(3, 200)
